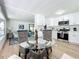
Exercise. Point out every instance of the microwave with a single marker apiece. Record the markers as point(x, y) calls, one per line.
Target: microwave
point(63, 23)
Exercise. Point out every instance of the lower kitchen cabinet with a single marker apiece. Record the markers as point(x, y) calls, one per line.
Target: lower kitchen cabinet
point(74, 37)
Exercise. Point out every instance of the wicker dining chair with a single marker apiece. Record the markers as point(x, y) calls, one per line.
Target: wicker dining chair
point(22, 35)
point(32, 55)
point(43, 53)
point(47, 35)
point(14, 56)
point(23, 52)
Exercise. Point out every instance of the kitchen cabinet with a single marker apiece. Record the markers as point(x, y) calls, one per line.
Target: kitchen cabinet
point(48, 22)
point(39, 20)
point(73, 19)
point(76, 19)
point(51, 22)
point(54, 35)
point(74, 37)
point(55, 22)
point(61, 18)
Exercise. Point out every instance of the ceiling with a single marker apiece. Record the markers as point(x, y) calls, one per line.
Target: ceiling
point(26, 9)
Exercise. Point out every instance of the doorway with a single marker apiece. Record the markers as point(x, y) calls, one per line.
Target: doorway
point(31, 30)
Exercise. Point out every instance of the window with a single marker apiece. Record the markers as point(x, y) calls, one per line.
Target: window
point(1, 28)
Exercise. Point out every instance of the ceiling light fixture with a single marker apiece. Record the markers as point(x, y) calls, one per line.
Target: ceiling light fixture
point(60, 12)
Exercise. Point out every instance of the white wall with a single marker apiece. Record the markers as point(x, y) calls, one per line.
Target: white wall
point(13, 24)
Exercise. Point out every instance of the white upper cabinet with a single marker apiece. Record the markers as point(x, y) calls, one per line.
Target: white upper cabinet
point(73, 19)
point(69, 18)
point(74, 37)
point(39, 19)
point(49, 21)
point(54, 22)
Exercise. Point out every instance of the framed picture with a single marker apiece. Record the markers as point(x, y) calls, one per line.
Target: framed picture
point(21, 26)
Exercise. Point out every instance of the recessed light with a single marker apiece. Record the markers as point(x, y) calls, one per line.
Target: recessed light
point(59, 12)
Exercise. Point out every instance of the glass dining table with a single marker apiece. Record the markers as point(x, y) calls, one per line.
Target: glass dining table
point(31, 44)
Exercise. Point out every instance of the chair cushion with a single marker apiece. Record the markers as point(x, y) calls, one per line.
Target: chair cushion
point(14, 57)
point(65, 56)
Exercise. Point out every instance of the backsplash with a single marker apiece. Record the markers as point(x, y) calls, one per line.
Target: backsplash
point(71, 27)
